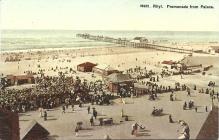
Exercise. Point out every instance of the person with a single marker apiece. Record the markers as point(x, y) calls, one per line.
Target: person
point(134, 129)
point(41, 111)
point(189, 94)
point(181, 76)
point(194, 87)
point(76, 132)
point(185, 134)
point(191, 104)
point(184, 106)
point(206, 108)
point(94, 113)
point(171, 97)
point(157, 78)
point(63, 109)
point(23, 108)
point(92, 121)
point(196, 109)
point(170, 119)
point(45, 115)
point(72, 106)
point(88, 109)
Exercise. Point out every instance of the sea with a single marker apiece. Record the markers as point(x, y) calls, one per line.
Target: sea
point(21, 40)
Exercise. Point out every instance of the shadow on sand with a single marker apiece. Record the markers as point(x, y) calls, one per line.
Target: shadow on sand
point(88, 128)
point(162, 114)
point(52, 119)
point(85, 135)
point(142, 134)
point(23, 114)
point(70, 112)
point(52, 137)
point(177, 100)
point(24, 120)
point(144, 130)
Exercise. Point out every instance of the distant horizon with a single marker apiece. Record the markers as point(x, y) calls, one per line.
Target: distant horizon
point(44, 39)
point(106, 30)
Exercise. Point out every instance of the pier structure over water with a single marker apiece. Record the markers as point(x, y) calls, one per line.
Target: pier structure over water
point(125, 42)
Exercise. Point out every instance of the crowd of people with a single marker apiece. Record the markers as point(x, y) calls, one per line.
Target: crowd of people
point(51, 91)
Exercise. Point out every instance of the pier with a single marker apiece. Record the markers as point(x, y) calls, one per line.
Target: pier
point(125, 42)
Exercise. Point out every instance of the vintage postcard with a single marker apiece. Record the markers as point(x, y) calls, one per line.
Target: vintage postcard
point(109, 69)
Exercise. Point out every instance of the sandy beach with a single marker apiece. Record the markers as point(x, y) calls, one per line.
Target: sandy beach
point(121, 58)
point(106, 55)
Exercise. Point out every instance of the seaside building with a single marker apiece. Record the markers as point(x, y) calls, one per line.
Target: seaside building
point(117, 80)
point(214, 49)
point(86, 67)
point(140, 40)
point(35, 131)
point(20, 79)
point(171, 65)
point(9, 125)
point(140, 89)
point(168, 64)
point(104, 70)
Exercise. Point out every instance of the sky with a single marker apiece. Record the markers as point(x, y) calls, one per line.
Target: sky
point(107, 15)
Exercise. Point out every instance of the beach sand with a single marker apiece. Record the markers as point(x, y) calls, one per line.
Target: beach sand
point(120, 58)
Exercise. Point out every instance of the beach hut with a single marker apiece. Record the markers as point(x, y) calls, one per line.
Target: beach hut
point(34, 131)
point(140, 89)
point(215, 49)
point(171, 65)
point(20, 79)
point(104, 70)
point(86, 67)
point(9, 125)
point(117, 80)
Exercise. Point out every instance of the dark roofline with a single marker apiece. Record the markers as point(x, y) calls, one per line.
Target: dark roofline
point(87, 63)
point(32, 124)
point(110, 78)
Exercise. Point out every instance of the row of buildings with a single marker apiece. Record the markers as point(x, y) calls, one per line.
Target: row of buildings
point(11, 80)
point(102, 69)
point(112, 77)
point(10, 130)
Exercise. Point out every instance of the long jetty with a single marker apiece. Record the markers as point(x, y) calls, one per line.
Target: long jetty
point(125, 42)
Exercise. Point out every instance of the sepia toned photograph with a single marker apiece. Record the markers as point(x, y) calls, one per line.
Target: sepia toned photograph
point(109, 69)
